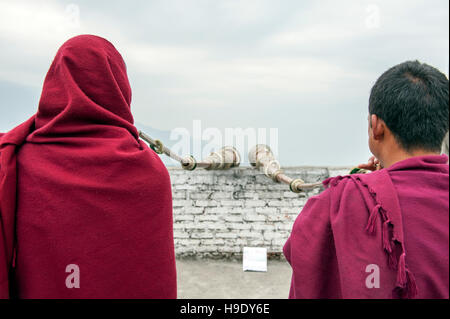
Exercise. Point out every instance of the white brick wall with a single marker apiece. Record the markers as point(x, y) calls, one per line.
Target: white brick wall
point(217, 213)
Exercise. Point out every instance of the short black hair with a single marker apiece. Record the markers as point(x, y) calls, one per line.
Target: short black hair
point(412, 99)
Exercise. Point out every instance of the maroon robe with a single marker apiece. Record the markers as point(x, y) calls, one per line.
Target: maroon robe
point(395, 219)
point(79, 189)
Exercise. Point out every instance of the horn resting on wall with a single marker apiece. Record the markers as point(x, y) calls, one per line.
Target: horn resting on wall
point(227, 157)
point(260, 157)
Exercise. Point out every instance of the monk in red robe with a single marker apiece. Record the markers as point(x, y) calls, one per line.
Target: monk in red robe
point(384, 234)
point(85, 206)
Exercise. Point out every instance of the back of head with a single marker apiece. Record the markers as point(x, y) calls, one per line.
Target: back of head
point(87, 84)
point(412, 99)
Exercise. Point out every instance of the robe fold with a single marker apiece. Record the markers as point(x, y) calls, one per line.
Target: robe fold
point(379, 235)
point(85, 205)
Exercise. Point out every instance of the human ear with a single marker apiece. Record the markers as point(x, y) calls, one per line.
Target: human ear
point(377, 127)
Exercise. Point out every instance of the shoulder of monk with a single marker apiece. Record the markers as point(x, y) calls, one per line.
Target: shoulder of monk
point(357, 186)
point(342, 180)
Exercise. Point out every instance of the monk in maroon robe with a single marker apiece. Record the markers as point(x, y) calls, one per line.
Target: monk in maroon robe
point(85, 205)
point(384, 234)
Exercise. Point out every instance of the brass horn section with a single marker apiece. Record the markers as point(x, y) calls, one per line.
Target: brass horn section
point(227, 157)
point(262, 158)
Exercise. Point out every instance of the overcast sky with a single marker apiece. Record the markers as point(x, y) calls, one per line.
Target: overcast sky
point(303, 67)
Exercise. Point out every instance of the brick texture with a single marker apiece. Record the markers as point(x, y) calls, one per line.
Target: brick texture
point(217, 213)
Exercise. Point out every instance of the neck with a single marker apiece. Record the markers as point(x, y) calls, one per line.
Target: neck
point(401, 155)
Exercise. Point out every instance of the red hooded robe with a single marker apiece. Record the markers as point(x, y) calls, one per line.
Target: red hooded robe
point(78, 187)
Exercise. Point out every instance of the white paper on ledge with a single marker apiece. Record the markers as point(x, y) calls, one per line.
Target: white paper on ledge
point(255, 259)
